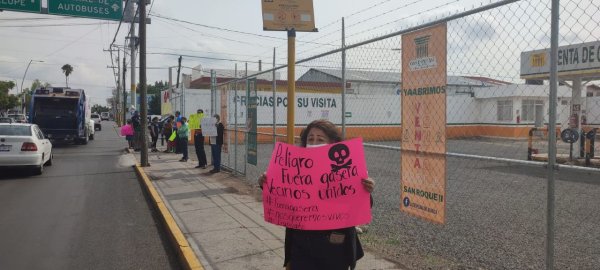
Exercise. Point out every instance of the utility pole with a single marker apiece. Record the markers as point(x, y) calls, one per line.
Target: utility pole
point(132, 44)
point(124, 89)
point(116, 97)
point(143, 86)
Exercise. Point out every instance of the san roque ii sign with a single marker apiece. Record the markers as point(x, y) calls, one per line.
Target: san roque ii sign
point(423, 179)
point(100, 9)
point(317, 188)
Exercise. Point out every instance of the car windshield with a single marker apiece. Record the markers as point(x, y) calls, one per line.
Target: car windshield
point(95, 116)
point(14, 130)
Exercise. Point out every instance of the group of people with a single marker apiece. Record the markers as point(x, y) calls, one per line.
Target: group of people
point(304, 249)
point(177, 130)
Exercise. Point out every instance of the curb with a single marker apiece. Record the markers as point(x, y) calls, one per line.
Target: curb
point(185, 253)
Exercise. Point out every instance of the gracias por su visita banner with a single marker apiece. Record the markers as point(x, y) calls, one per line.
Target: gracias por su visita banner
point(317, 188)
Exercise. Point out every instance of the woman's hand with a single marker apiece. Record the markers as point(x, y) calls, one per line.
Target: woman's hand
point(369, 184)
point(262, 179)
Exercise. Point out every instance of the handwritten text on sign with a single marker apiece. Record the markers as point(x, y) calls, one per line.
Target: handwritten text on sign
point(317, 188)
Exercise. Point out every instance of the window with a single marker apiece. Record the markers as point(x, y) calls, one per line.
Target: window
point(505, 108)
point(528, 109)
point(39, 133)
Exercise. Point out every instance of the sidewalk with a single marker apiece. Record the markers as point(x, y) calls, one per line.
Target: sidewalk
point(221, 217)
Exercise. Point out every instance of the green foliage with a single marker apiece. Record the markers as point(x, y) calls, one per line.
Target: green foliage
point(5, 86)
point(7, 101)
point(154, 106)
point(156, 88)
point(67, 70)
point(99, 109)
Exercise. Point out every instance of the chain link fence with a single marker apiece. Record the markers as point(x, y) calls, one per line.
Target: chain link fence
point(497, 138)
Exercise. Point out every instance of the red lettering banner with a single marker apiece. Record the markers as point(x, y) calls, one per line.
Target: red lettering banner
point(317, 188)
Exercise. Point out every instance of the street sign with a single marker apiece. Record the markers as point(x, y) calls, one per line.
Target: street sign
point(99, 9)
point(283, 15)
point(576, 60)
point(22, 5)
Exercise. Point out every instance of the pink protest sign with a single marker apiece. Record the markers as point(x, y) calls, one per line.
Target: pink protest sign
point(317, 188)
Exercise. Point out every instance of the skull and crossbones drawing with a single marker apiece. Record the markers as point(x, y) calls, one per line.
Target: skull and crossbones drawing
point(339, 153)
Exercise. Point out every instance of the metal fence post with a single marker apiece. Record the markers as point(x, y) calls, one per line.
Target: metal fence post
point(343, 80)
point(235, 122)
point(274, 103)
point(246, 132)
point(552, 134)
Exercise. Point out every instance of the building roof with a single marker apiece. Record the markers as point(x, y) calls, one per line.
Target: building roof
point(395, 77)
point(521, 90)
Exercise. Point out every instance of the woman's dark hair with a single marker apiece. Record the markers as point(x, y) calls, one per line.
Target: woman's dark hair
point(327, 127)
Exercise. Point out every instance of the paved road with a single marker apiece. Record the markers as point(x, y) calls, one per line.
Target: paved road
point(87, 211)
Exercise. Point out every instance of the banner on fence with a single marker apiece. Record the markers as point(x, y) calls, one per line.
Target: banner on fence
point(208, 125)
point(423, 179)
point(317, 188)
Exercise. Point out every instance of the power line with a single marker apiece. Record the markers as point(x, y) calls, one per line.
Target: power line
point(119, 27)
point(215, 27)
point(210, 35)
point(406, 17)
point(204, 57)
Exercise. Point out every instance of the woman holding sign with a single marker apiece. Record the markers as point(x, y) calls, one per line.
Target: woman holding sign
point(322, 249)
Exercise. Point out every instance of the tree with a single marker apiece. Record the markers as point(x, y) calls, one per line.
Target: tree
point(154, 104)
point(7, 101)
point(6, 85)
point(100, 109)
point(67, 70)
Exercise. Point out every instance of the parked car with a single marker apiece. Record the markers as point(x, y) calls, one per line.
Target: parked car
point(18, 118)
point(24, 145)
point(6, 120)
point(105, 116)
point(97, 121)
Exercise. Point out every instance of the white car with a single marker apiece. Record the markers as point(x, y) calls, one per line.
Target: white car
point(97, 121)
point(24, 145)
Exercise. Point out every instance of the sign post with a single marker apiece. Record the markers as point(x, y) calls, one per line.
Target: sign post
point(100, 9)
point(22, 5)
point(291, 16)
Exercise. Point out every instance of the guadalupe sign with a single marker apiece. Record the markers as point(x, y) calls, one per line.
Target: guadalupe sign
point(423, 179)
point(317, 188)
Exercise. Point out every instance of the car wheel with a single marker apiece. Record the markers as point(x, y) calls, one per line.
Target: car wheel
point(39, 169)
point(49, 162)
point(91, 137)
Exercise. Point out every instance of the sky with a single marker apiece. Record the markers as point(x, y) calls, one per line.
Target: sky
point(219, 34)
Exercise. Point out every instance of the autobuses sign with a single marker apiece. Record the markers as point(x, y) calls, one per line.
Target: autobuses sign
point(423, 179)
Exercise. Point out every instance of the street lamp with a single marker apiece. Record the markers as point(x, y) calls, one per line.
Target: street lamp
point(23, 106)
